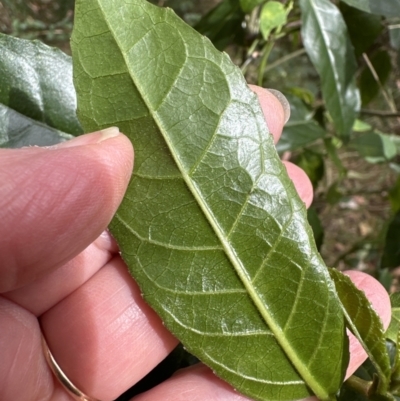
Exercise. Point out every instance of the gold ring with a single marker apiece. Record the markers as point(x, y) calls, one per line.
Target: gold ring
point(62, 378)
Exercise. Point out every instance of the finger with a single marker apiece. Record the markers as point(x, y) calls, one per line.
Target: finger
point(57, 199)
point(380, 301)
point(196, 383)
point(301, 182)
point(275, 107)
point(49, 289)
point(104, 336)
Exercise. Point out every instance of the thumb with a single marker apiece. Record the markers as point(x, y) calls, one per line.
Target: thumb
point(55, 201)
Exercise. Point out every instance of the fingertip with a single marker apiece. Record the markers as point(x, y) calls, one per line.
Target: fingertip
point(275, 107)
point(301, 182)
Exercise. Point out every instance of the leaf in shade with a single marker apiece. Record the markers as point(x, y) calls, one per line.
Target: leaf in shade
point(301, 129)
point(369, 87)
point(313, 164)
point(366, 325)
point(389, 8)
point(211, 226)
point(394, 195)
point(327, 43)
point(250, 5)
point(223, 24)
point(37, 96)
point(17, 130)
point(364, 28)
point(375, 147)
point(391, 252)
point(316, 226)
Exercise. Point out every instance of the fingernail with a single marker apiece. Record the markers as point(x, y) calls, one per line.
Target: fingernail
point(95, 137)
point(108, 133)
point(283, 101)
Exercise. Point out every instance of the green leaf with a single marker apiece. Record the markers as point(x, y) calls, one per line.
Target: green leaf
point(369, 87)
point(17, 130)
point(37, 96)
point(211, 226)
point(365, 324)
point(250, 5)
point(273, 15)
point(391, 252)
point(316, 226)
point(313, 164)
point(375, 147)
point(394, 327)
point(394, 196)
point(301, 130)
point(327, 43)
point(389, 8)
point(364, 28)
point(223, 24)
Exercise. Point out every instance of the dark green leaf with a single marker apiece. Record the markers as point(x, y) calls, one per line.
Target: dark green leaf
point(390, 8)
point(369, 87)
point(364, 28)
point(365, 324)
point(316, 226)
point(249, 5)
point(223, 24)
point(211, 226)
point(375, 147)
point(17, 130)
point(273, 16)
point(313, 164)
point(301, 129)
point(394, 196)
point(327, 43)
point(391, 253)
point(35, 82)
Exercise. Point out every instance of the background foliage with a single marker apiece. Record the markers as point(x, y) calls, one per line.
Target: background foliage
point(338, 64)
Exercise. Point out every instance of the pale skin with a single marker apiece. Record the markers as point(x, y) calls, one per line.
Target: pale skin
point(60, 269)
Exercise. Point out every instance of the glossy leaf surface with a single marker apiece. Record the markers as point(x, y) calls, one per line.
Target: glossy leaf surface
point(365, 324)
point(327, 43)
point(390, 8)
point(37, 96)
point(211, 226)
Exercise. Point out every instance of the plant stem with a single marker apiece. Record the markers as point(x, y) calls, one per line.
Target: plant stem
point(266, 52)
point(359, 385)
point(284, 59)
point(380, 113)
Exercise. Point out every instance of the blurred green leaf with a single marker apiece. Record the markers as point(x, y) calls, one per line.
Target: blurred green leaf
point(333, 194)
point(223, 24)
point(375, 147)
point(389, 8)
point(364, 28)
point(327, 42)
point(391, 251)
point(249, 5)
point(301, 129)
point(394, 196)
point(273, 15)
point(313, 165)
point(37, 97)
point(211, 226)
point(316, 225)
point(369, 87)
point(361, 126)
point(365, 324)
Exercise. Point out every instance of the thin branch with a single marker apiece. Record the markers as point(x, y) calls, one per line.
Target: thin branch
point(378, 81)
point(284, 59)
point(380, 113)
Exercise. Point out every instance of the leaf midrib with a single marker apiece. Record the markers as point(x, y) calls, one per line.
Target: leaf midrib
point(229, 251)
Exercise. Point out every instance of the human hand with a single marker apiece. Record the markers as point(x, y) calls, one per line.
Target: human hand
point(59, 269)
